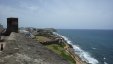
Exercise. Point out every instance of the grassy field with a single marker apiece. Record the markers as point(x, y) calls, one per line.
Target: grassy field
point(59, 49)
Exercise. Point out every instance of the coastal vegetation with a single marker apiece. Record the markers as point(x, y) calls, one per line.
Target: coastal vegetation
point(57, 48)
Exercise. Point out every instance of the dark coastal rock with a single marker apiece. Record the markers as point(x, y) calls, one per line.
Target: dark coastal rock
point(70, 46)
point(21, 50)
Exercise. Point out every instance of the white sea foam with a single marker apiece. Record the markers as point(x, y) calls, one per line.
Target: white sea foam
point(105, 63)
point(93, 48)
point(85, 56)
point(104, 58)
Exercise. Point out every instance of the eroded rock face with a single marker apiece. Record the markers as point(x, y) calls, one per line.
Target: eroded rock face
point(22, 50)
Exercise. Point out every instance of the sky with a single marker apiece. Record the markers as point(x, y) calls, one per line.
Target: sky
point(60, 14)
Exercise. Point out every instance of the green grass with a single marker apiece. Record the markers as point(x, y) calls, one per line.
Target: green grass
point(59, 49)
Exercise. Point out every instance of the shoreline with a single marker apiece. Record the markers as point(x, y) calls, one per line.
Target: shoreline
point(50, 36)
point(69, 49)
point(55, 38)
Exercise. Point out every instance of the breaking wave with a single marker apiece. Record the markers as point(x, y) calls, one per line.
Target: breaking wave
point(85, 56)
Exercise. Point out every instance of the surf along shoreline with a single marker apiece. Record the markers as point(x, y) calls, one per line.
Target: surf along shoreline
point(69, 49)
point(52, 40)
point(82, 55)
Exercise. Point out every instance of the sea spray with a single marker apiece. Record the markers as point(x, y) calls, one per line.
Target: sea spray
point(85, 56)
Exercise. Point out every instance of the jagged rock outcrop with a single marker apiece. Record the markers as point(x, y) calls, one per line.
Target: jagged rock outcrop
point(23, 50)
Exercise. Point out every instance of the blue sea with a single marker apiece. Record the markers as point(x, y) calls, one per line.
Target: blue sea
point(93, 46)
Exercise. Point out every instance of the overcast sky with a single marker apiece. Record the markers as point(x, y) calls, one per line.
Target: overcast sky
point(65, 14)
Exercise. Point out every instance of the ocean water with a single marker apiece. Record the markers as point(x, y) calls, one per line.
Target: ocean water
point(93, 46)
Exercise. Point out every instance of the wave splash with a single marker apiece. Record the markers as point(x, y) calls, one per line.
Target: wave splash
point(85, 56)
